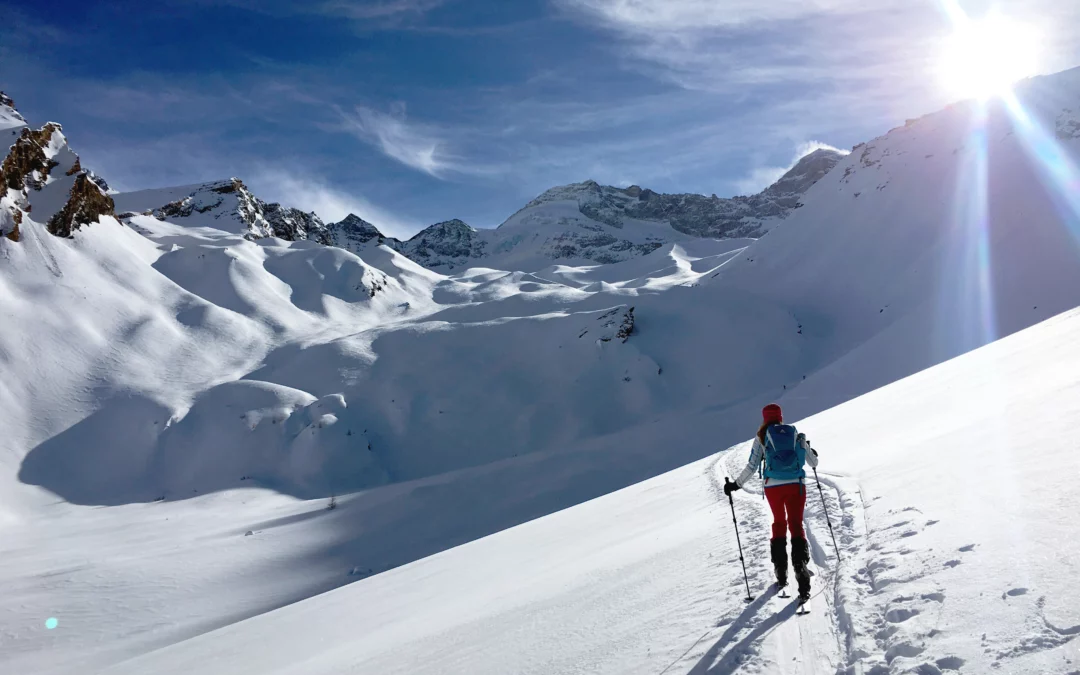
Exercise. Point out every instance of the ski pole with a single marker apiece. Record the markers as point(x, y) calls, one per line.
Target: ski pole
point(825, 508)
point(749, 598)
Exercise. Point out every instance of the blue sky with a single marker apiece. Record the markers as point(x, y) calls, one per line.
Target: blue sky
point(408, 112)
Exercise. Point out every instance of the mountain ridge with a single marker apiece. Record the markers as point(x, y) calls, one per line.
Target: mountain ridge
point(595, 228)
point(575, 223)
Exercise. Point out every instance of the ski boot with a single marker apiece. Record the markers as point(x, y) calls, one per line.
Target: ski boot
point(800, 558)
point(778, 548)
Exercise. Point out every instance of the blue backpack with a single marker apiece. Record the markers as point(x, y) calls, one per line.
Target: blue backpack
point(784, 455)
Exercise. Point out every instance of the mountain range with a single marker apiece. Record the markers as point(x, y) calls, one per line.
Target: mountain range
point(577, 223)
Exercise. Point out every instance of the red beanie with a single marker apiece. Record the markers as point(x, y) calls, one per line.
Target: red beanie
point(771, 414)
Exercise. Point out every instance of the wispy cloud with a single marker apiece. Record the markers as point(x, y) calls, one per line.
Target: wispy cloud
point(729, 46)
point(424, 147)
point(309, 192)
point(650, 17)
point(760, 178)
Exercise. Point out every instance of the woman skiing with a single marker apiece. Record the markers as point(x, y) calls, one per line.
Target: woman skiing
point(784, 451)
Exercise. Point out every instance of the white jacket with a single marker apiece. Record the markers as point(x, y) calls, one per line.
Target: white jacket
point(758, 452)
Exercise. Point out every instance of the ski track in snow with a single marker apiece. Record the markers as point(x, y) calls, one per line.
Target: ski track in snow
point(768, 637)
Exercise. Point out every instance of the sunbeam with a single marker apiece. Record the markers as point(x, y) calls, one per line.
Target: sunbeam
point(1058, 171)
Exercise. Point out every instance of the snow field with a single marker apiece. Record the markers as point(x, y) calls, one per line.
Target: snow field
point(648, 578)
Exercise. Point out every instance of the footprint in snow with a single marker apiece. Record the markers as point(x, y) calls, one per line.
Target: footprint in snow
point(967, 549)
point(950, 663)
point(900, 615)
point(952, 563)
point(1013, 592)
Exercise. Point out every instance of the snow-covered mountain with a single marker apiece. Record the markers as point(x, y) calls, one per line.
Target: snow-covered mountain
point(587, 223)
point(581, 223)
point(224, 205)
point(214, 388)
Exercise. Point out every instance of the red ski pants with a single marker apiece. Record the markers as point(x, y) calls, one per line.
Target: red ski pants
point(792, 499)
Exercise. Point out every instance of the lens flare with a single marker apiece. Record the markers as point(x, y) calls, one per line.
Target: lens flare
point(51, 623)
point(984, 57)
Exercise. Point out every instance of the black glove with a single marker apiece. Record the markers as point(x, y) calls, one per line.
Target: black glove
point(730, 486)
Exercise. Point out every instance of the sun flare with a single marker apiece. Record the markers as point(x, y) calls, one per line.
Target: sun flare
point(984, 57)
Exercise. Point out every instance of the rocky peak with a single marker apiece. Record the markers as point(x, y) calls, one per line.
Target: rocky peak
point(229, 205)
point(451, 242)
point(354, 228)
point(30, 159)
point(43, 180)
point(293, 224)
point(807, 171)
point(448, 229)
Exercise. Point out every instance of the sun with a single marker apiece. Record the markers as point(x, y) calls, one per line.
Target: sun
point(984, 57)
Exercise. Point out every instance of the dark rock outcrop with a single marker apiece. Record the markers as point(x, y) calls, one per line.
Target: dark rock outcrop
point(86, 204)
point(14, 234)
point(293, 224)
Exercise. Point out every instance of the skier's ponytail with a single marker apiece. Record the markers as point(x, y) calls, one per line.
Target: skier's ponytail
point(761, 431)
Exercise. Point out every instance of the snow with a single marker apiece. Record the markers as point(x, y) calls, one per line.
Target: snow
point(10, 119)
point(648, 578)
point(519, 489)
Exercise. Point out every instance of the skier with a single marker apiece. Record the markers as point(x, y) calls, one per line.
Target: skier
point(784, 451)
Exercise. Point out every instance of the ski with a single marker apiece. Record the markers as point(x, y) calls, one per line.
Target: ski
point(802, 608)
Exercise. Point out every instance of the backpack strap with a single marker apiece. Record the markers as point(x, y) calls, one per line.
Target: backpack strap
point(765, 450)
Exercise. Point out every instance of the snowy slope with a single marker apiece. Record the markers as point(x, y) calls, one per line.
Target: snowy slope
point(945, 234)
point(941, 571)
point(10, 119)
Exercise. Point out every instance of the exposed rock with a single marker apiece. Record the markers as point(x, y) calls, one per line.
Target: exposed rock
point(615, 324)
point(713, 216)
point(28, 162)
point(85, 205)
point(626, 327)
point(602, 233)
point(452, 241)
point(99, 181)
point(355, 234)
point(1068, 125)
point(230, 201)
point(293, 224)
point(16, 217)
